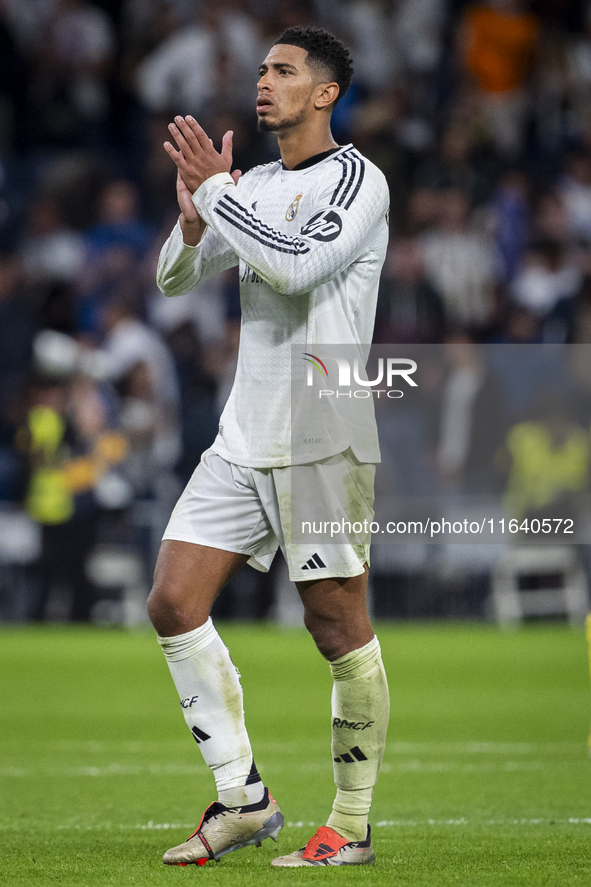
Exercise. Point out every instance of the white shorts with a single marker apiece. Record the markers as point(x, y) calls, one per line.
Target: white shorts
point(249, 511)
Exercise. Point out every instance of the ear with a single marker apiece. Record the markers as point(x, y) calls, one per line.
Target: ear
point(326, 95)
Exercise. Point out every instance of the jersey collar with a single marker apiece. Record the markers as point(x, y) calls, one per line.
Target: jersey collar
point(311, 161)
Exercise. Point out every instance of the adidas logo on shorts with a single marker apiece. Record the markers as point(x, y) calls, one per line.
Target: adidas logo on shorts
point(315, 563)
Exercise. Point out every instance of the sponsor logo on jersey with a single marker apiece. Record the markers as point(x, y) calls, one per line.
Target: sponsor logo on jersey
point(355, 755)
point(292, 209)
point(250, 276)
point(351, 725)
point(324, 226)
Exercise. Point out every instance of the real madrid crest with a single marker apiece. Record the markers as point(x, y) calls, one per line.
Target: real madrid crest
point(292, 209)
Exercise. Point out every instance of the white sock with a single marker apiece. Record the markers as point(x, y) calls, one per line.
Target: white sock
point(360, 712)
point(211, 698)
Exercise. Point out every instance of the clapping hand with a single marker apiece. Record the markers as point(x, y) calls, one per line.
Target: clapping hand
point(196, 158)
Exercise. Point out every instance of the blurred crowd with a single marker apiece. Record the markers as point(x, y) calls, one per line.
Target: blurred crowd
point(479, 114)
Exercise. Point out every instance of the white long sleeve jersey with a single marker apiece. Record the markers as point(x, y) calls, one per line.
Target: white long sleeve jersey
point(310, 244)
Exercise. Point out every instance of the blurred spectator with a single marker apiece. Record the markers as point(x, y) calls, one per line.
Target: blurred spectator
point(17, 320)
point(53, 255)
point(17, 329)
point(226, 43)
point(204, 308)
point(421, 212)
point(409, 308)
point(51, 250)
point(552, 116)
point(140, 419)
point(418, 26)
point(461, 264)
point(108, 275)
point(575, 191)
point(74, 180)
point(578, 66)
point(168, 78)
point(550, 217)
point(550, 462)
point(69, 95)
point(581, 327)
point(510, 216)
point(497, 47)
point(144, 24)
point(30, 21)
point(408, 432)
point(371, 28)
point(452, 166)
point(141, 363)
point(198, 396)
point(579, 72)
point(521, 327)
point(547, 276)
point(116, 245)
point(386, 129)
point(472, 428)
point(119, 221)
point(69, 448)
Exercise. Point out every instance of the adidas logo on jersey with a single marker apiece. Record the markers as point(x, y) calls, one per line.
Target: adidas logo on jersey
point(346, 758)
point(315, 563)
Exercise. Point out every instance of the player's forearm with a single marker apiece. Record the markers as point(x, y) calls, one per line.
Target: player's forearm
point(192, 231)
point(179, 264)
point(182, 266)
point(291, 265)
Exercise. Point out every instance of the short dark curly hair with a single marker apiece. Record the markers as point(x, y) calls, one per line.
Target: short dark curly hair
point(326, 53)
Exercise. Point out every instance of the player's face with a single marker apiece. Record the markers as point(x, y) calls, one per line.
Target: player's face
point(285, 89)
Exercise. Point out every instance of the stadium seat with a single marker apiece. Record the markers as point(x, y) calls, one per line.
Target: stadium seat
point(556, 570)
point(118, 572)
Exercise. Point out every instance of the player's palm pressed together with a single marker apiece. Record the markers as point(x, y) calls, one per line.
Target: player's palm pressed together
point(196, 158)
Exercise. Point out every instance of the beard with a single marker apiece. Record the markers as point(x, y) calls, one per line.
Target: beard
point(277, 126)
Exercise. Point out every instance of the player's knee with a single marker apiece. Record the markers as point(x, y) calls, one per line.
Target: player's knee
point(327, 634)
point(336, 633)
point(155, 606)
point(165, 609)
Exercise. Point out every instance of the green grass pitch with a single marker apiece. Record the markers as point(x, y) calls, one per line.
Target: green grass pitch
point(486, 779)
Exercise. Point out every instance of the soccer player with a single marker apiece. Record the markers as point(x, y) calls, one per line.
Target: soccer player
point(309, 233)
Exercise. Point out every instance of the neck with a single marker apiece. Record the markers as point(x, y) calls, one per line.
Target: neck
point(298, 144)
